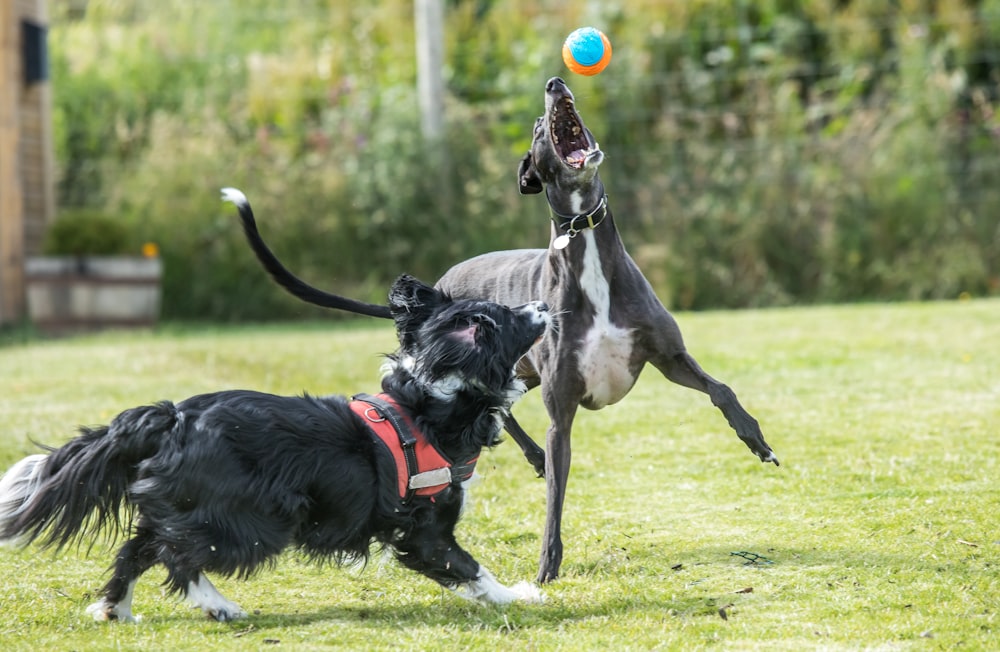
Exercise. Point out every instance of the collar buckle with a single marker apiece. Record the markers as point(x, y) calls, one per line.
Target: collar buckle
point(573, 224)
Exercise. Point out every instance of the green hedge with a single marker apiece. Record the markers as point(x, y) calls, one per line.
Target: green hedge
point(759, 153)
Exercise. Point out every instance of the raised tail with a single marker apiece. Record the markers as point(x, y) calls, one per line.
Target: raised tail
point(79, 488)
point(285, 278)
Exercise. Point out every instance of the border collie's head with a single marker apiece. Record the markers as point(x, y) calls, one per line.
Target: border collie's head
point(454, 345)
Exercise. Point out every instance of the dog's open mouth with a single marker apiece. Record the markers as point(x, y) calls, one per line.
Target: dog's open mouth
point(570, 140)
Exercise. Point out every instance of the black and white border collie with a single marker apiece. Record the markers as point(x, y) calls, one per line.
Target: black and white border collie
point(224, 482)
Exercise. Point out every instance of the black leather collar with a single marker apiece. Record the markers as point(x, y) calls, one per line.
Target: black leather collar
point(573, 224)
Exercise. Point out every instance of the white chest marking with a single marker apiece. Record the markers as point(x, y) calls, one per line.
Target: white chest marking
point(605, 349)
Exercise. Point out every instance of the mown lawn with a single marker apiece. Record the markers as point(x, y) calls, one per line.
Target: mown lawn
point(878, 531)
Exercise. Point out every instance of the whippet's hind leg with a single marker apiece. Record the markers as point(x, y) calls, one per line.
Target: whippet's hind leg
point(682, 369)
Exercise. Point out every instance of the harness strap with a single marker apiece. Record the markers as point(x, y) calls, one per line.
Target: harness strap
point(421, 469)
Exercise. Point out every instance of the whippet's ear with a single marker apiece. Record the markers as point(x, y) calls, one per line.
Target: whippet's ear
point(528, 181)
point(411, 303)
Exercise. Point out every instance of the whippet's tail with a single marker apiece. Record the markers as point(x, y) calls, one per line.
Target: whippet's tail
point(285, 278)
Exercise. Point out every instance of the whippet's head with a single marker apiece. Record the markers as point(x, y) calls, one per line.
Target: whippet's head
point(564, 155)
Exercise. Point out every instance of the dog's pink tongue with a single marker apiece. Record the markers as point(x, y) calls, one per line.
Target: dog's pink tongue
point(577, 157)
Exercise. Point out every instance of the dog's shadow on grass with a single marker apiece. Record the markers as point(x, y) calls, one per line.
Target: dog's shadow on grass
point(672, 590)
point(451, 612)
point(563, 604)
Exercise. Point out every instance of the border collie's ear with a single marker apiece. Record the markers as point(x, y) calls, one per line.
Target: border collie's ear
point(411, 302)
point(528, 181)
point(467, 335)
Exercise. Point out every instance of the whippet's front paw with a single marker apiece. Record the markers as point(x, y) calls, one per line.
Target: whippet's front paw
point(536, 458)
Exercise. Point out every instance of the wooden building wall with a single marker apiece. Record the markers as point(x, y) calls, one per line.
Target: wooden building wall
point(27, 191)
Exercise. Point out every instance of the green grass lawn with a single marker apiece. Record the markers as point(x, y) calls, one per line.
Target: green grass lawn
point(878, 531)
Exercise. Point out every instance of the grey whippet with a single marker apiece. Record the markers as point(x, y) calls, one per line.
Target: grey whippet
point(615, 322)
point(612, 324)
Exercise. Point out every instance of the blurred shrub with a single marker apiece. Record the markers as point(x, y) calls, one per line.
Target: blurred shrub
point(84, 232)
point(758, 153)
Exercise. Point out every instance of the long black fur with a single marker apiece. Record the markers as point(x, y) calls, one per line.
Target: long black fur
point(224, 482)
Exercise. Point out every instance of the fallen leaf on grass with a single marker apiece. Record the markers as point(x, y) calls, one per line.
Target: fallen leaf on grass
point(967, 543)
point(722, 611)
point(749, 589)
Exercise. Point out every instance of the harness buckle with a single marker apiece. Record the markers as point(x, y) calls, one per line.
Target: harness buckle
point(370, 411)
point(430, 478)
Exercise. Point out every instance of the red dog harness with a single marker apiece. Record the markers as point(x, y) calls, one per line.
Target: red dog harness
point(421, 469)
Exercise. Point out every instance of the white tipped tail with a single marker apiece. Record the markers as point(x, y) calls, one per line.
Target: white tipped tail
point(234, 195)
point(17, 486)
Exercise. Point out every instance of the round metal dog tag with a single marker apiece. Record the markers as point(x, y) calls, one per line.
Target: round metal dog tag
point(561, 241)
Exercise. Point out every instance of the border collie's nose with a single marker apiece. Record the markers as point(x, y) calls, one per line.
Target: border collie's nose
point(541, 306)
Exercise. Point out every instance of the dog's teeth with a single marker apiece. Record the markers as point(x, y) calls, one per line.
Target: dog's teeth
point(576, 130)
point(555, 139)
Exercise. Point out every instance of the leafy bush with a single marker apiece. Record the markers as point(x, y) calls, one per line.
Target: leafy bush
point(86, 232)
point(758, 153)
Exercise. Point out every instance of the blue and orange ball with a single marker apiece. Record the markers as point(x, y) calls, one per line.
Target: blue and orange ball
point(586, 51)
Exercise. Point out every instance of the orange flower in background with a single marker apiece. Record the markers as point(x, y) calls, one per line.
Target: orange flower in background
point(150, 250)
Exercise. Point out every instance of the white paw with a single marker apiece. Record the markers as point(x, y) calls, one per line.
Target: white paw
point(487, 589)
point(205, 596)
point(528, 592)
point(232, 611)
point(104, 611)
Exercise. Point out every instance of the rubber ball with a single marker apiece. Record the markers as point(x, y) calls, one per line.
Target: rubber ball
point(586, 51)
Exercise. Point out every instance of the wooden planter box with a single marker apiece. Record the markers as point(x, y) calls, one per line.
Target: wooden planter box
point(87, 293)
